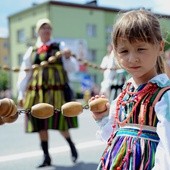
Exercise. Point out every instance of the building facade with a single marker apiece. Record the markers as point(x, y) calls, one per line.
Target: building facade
point(4, 51)
point(86, 26)
point(86, 29)
point(4, 61)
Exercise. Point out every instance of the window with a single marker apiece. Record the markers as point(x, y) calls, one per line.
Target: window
point(5, 59)
point(92, 55)
point(20, 58)
point(108, 33)
point(33, 32)
point(5, 44)
point(20, 36)
point(91, 30)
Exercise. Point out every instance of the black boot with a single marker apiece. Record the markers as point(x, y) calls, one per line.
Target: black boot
point(46, 162)
point(47, 159)
point(74, 153)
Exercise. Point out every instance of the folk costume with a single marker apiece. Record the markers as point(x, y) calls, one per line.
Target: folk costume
point(137, 128)
point(46, 85)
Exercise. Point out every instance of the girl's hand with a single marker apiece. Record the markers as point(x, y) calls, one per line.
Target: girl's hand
point(104, 106)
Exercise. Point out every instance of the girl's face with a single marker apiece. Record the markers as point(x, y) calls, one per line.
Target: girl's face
point(138, 58)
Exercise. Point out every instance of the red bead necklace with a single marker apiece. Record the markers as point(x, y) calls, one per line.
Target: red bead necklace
point(148, 89)
point(143, 95)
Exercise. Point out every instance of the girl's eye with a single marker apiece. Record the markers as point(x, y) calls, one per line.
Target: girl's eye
point(123, 51)
point(141, 49)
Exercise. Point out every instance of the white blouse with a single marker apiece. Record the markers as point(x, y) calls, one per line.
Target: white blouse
point(70, 65)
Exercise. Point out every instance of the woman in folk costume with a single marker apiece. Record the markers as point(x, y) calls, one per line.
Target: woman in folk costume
point(137, 127)
point(47, 85)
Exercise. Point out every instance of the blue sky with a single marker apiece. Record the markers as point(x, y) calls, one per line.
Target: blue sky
point(9, 7)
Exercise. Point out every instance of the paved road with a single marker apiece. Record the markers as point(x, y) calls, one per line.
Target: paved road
point(21, 151)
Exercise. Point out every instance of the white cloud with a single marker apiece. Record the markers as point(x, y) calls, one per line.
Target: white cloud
point(126, 4)
point(161, 6)
point(3, 32)
point(157, 6)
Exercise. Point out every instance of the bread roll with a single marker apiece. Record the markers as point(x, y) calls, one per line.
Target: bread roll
point(98, 105)
point(10, 119)
point(71, 109)
point(14, 108)
point(42, 110)
point(5, 107)
point(1, 121)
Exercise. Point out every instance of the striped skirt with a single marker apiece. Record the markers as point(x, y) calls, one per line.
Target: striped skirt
point(130, 152)
point(56, 122)
point(48, 86)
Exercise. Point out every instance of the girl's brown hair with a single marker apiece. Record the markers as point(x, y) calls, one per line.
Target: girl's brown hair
point(139, 25)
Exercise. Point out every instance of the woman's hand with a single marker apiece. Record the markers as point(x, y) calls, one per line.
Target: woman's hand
point(67, 53)
point(20, 103)
point(105, 106)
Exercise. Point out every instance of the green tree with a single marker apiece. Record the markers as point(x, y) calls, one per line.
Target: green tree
point(167, 41)
point(4, 80)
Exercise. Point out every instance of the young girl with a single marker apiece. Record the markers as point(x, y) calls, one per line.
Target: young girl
point(137, 127)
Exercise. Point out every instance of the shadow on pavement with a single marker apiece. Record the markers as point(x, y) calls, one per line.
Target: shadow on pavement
point(78, 166)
